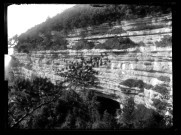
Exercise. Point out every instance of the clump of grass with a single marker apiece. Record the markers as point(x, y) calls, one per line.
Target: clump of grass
point(166, 41)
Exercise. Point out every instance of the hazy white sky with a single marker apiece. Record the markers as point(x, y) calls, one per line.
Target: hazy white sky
point(22, 17)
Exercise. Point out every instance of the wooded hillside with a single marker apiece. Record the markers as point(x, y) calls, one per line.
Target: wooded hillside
point(40, 37)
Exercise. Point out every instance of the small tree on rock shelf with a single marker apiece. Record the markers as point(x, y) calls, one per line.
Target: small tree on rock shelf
point(80, 74)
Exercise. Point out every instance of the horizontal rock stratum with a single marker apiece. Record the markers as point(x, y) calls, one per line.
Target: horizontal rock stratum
point(149, 63)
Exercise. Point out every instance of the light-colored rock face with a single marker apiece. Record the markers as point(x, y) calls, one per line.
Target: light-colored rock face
point(149, 63)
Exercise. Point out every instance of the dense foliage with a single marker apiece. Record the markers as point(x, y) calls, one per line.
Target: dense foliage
point(138, 117)
point(38, 103)
point(40, 37)
point(42, 41)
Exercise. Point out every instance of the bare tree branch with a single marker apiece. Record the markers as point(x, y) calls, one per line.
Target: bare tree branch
point(29, 113)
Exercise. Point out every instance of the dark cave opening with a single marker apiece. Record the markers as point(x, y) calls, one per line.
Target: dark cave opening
point(107, 104)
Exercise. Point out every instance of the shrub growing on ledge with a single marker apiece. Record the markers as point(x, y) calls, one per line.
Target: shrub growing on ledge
point(133, 83)
point(159, 105)
point(117, 43)
point(83, 44)
point(126, 43)
point(80, 74)
point(112, 43)
point(164, 78)
point(161, 89)
point(166, 41)
point(146, 27)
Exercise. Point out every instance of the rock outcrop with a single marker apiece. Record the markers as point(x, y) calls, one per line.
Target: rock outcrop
point(148, 66)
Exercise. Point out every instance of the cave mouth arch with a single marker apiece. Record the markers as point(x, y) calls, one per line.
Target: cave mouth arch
point(107, 104)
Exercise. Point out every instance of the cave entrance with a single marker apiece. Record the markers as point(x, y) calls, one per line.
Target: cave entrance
point(107, 104)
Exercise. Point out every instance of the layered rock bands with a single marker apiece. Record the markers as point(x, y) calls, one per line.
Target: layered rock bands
point(148, 66)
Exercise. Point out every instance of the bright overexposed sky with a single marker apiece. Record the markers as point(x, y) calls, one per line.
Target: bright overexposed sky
point(22, 17)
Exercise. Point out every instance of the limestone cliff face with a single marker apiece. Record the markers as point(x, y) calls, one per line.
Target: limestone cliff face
point(149, 62)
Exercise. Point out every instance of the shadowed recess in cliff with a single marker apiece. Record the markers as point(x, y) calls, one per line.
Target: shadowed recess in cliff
point(108, 104)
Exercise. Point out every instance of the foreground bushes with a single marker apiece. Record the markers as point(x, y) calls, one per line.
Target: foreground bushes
point(70, 110)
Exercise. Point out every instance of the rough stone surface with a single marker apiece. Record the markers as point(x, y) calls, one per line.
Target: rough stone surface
point(147, 62)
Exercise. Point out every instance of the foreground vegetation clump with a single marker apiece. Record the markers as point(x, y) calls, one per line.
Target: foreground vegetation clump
point(39, 104)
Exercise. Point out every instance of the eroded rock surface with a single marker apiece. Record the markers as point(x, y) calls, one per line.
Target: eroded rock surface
point(150, 63)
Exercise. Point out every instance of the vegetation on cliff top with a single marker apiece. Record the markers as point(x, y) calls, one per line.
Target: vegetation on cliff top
point(51, 33)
